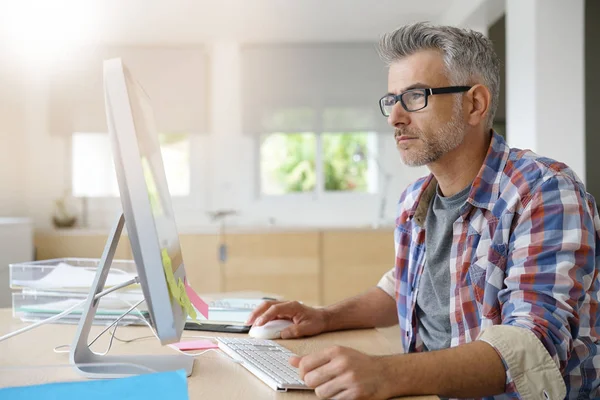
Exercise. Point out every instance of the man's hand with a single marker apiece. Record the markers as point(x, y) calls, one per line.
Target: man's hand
point(343, 373)
point(307, 321)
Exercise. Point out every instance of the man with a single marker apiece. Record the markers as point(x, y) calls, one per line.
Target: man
point(495, 286)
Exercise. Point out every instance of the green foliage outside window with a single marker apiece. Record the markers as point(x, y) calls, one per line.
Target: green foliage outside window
point(341, 170)
point(288, 162)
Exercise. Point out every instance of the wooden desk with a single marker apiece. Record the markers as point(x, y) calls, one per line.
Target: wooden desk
point(213, 377)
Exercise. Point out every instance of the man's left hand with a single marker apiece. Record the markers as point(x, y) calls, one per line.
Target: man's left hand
point(343, 373)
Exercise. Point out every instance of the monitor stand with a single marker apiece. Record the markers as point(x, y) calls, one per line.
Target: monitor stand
point(92, 365)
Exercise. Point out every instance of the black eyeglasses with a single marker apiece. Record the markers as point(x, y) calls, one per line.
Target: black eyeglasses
point(415, 99)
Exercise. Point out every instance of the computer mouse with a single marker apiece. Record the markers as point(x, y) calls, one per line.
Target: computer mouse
point(270, 330)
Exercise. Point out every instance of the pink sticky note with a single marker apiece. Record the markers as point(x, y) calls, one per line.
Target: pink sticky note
point(196, 300)
point(195, 345)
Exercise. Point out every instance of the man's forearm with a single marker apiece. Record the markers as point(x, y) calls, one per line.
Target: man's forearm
point(374, 308)
point(470, 370)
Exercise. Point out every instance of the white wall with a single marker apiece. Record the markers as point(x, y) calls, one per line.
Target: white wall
point(12, 156)
point(45, 173)
point(10, 189)
point(545, 86)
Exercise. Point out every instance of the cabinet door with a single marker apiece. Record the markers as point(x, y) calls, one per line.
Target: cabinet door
point(286, 264)
point(354, 261)
point(200, 255)
point(59, 245)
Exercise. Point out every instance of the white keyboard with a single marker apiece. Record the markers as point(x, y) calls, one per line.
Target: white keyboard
point(266, 359)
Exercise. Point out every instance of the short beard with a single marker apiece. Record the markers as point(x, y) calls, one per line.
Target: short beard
point(446, 139)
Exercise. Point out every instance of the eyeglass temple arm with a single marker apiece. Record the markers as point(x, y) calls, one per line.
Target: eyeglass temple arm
point(451, 89)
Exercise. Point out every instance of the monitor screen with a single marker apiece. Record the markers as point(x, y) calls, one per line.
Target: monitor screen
point(154, 173)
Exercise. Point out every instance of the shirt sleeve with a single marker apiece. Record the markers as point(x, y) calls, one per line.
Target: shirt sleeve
point(387, 283)
point(530, 371)
point(550, 268)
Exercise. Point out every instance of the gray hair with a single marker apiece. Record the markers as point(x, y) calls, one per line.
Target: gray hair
point(469, 56)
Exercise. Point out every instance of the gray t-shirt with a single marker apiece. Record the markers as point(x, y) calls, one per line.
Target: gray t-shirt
point(433, 298)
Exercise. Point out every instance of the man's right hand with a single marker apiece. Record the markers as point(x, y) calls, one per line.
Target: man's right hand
point(307, 321)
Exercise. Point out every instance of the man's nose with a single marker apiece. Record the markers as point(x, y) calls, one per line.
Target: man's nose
point(398, 115)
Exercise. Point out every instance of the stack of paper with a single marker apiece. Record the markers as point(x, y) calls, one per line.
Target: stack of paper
point(49, 288)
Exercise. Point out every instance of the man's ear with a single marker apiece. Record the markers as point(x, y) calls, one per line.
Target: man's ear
point(479, 101)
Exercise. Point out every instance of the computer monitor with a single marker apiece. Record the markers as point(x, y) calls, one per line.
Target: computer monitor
point(148, 216)
point(144, 195)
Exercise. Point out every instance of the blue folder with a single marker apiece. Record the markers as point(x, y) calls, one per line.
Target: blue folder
point(160, 385)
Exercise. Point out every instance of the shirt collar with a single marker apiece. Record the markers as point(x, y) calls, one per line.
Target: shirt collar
point(484, 191)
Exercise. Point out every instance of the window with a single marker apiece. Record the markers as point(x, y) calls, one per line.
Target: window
point(311, 108)
point(318, 163)
point(288, 163)
point(93, 171)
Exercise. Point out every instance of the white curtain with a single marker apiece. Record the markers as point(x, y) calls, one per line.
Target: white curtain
point(312, 87)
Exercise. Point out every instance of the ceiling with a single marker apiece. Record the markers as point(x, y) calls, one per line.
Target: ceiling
point(199, 21)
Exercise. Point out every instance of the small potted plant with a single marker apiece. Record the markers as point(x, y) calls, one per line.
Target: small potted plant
point(63, 216)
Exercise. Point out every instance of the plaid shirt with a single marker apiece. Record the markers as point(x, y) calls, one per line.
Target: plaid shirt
point(523, 254)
